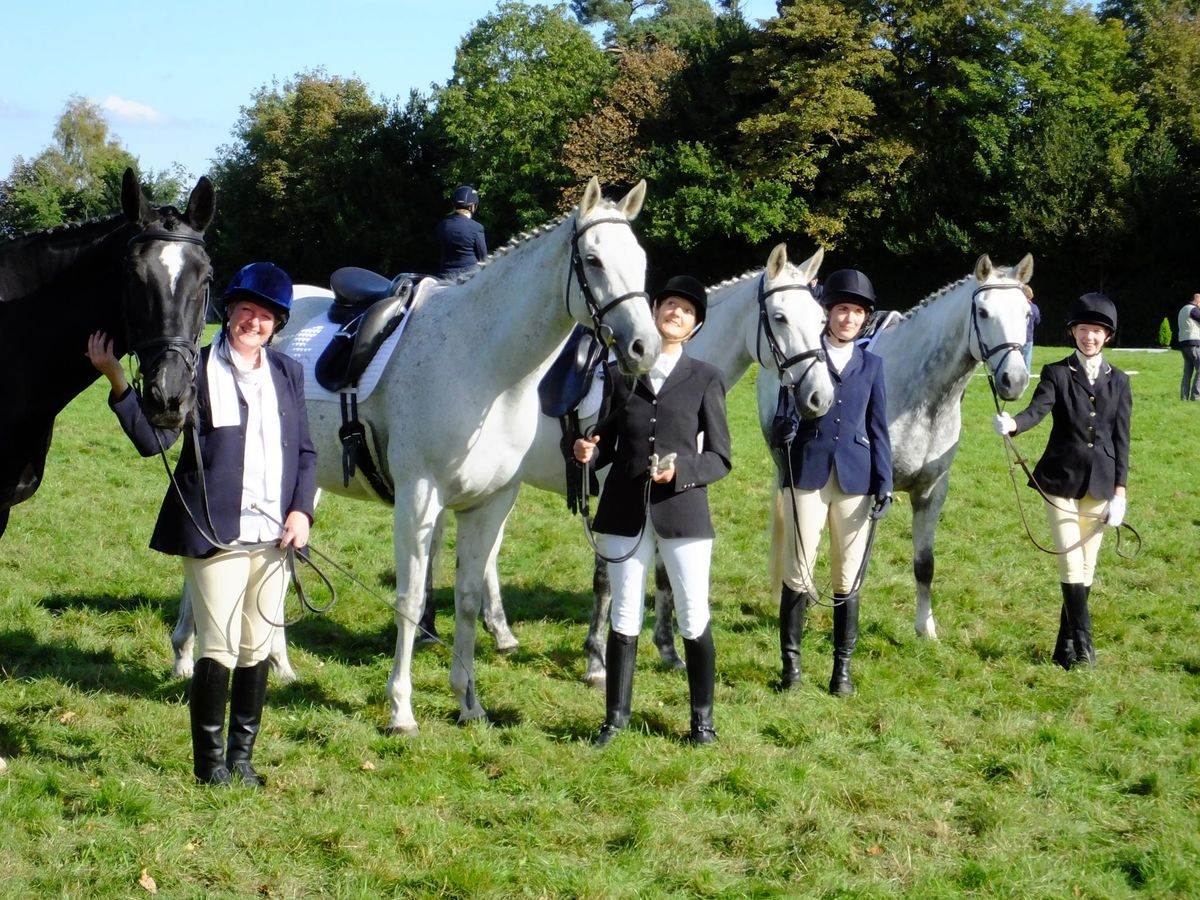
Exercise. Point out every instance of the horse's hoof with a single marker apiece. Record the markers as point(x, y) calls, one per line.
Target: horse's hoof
point(184, 668)
point(404, 731)
point(474, 716)
point(670, 660)
point(595, 678)
point(507, 643)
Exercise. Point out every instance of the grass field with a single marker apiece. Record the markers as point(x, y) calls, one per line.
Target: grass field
point(971, 766)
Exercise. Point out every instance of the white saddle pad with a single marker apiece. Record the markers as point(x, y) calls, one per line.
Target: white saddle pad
point(311, 340)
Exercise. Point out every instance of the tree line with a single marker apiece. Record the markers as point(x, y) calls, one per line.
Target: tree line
point(906, 137)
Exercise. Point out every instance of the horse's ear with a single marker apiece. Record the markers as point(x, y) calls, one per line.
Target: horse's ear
point(631, 203)
point(1024, 269)
point(810, 267)
point(983, 268)
point(202, 205)
point(591, 197)
point(136, 207)
point(776, 261)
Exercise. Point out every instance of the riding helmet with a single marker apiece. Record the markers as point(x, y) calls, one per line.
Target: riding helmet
point(688, 288)
point(465, 197)
point(1094, 309)
point(848, 286)
point(265, 283)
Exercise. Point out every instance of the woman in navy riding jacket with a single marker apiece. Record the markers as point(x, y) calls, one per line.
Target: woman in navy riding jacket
point(1083, 471)
point(232, 520)
point(839, 474)
point(667, 440)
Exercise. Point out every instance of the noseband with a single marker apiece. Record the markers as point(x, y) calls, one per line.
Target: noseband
point(594, 308)
point(782, 363)
point(151, 350)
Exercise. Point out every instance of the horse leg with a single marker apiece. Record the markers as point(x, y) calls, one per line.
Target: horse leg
point(415, 518)
point(927, 509)
point(183, 638)
point(480, 532)
point(664, 612)
point(597, 636)
point(495, 620)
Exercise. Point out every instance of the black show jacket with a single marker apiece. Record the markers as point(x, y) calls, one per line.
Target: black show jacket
point(1088, 448)
point(692, 400)
point(222, 451)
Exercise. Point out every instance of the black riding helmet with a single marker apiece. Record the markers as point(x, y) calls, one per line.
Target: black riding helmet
point(848, 286)
point(465, 197)
point(1093, 309)
point(688, 288)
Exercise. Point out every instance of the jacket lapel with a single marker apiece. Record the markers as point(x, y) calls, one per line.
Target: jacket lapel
point(679, 374)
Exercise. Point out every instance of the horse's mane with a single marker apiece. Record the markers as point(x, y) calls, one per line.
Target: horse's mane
point(65, 229)
point(935, 296)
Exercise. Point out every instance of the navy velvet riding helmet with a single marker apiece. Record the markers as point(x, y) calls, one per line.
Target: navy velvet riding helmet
point(848, 286)
point(688, 288)
point(465, 196)
point(262, 282)
point(1093, 309)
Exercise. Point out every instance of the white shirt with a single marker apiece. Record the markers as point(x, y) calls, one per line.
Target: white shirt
point(838, 356)
point(662, 369)
point(1090, 365)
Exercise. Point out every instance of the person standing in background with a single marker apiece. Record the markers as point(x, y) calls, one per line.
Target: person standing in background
point(1189, 346)
point(1032, 322)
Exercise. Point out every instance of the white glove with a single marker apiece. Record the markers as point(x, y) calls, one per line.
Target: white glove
point(1116, 512)
point(1004, 424)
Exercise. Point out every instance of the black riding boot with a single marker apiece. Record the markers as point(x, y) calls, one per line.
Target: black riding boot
point(792, 607)
point(620, 657)
point(245, 716)
point(1064, 646)
point(701, 658)
point(206, 705)
point(1080, 620)
point(845, 636)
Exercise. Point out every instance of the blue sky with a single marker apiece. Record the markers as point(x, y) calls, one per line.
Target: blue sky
point(172, 77)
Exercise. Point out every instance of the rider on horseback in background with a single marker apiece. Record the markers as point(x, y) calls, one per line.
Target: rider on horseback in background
point(1083, 469)
point(839, 472)
point(460, 238)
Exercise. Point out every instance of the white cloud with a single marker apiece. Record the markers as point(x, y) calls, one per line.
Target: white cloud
point(130, 112)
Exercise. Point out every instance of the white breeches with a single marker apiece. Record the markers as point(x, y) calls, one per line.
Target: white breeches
point(238, 599)
point(847, 517)
point(687, 562)
point(1069, 520)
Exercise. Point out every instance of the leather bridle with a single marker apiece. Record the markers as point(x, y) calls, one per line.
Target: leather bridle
point(151, 350)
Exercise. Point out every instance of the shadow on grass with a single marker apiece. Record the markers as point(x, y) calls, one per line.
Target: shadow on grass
point(103, 603)
point(27, 655)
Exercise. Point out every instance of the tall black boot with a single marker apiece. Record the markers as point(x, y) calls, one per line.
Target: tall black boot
point(701, 656)
point(845, 636)
point(245, 717)
point(1080, 620)
point(792, 607)
point(620, 658)
point(206, 705)
point(1064, 646)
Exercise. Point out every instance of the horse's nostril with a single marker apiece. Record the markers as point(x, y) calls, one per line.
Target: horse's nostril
point(637, 349)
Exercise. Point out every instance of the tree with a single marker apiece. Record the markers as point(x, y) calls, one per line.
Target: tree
point(521, 77)
point(78, 177)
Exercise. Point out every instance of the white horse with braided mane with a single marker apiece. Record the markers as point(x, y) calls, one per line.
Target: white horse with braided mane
point(457, 409)
point(929, 357)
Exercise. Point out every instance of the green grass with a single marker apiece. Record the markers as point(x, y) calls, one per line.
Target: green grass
point(967, 767)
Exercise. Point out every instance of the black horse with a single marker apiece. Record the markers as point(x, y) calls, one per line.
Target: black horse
point(142, 276)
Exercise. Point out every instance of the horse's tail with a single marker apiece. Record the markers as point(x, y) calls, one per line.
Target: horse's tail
point(779, 539)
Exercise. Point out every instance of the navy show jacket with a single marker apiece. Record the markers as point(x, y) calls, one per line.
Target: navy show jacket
point(692, 400)
point(223, 453)
point(852, 438)
point(1088, 448)
point(461, 241)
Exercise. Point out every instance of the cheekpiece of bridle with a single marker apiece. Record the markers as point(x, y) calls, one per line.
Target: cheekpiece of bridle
point(151, 350)
point(986, 353)
point(594, 308)
point(783, 363)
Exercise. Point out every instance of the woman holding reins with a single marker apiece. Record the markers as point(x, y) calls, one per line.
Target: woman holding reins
point(667, 440)
point(1083, 470)
point(233, 517)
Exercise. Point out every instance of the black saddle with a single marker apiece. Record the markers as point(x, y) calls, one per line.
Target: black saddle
point(876, 322)
point(369, 308)
point(569, 377)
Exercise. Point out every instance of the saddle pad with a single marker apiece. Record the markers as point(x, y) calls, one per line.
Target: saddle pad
point(311, 340)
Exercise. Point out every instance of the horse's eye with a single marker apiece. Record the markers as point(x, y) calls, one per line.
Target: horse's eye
point(983, 313)
point(593, 260)
point(781, 318)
